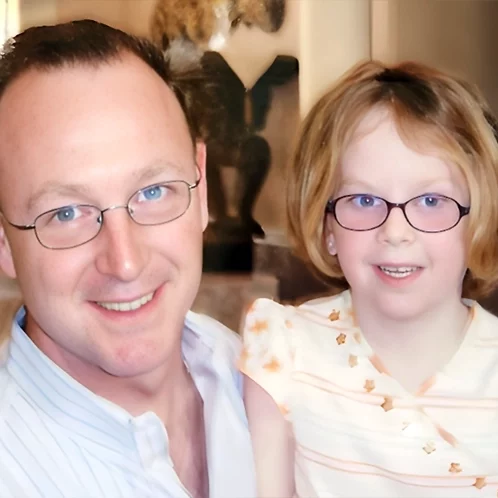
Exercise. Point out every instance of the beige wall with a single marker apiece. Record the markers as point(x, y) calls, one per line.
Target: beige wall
point(460, 36)
point(37, 12)
point(130, 15)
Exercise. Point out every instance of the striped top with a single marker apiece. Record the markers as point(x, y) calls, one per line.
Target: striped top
point(57, 439)
point(358, 432)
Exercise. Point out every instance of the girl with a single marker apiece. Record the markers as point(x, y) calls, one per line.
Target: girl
point(389, 389)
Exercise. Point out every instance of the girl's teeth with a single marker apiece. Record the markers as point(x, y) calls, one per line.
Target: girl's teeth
point(398, 272)
point(129, 306)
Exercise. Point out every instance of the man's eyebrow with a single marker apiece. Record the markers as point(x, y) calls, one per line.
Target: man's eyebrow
point(57, 188)
point(158, 168)
point(70, 189)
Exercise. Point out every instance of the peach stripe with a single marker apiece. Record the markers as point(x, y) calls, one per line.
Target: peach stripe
point(444, 402)
point(322, 459)
point(401, 481)
point(378, 365)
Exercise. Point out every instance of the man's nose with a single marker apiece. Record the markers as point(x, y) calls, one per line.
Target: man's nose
point(122, 254)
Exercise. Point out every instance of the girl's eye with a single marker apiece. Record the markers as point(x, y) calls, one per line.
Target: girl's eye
point(364, 200)
point(430, 201)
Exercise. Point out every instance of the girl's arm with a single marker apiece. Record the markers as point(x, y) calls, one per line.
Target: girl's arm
point(272, 441)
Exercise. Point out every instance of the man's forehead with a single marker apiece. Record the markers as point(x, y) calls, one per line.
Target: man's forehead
point(126, 86)
point(124, 135)
point(86, 72)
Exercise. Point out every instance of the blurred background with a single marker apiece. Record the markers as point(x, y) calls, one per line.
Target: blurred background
point(283, 70)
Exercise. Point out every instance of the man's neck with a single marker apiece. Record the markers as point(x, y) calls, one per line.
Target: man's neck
point(160, 390)
point(414, 350)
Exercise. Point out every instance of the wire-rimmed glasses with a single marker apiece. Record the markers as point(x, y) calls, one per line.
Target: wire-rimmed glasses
point(76, 224)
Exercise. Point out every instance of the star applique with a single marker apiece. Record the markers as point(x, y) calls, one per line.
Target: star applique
point(480, 482)
point(353, 360)
point(455, 468)
point(388, 404)
point(273, 365)
point(369, 385)
point(288, 324)
point(258, 327)
point(341, 338)
point(334, 316)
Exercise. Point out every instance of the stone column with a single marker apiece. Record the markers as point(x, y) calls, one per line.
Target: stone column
point(333, 36)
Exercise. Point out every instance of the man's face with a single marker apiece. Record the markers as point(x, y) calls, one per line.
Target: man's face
point(95, 136)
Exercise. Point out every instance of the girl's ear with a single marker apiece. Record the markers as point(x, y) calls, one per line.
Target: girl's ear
point(331, 245)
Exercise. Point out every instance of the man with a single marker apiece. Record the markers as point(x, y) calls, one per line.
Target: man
point(109, 386)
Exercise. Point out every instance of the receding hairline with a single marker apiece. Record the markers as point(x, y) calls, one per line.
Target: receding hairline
point(120, 56)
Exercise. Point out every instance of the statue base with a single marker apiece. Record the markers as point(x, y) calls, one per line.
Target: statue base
point(228, 249)
point(228, 257)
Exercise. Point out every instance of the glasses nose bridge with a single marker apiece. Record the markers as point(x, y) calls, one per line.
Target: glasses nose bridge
point(399, 205)
point(114, 207)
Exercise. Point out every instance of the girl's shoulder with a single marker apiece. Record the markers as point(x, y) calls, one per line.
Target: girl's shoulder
point(271, 323)
point(337, 307)
point(280, 339)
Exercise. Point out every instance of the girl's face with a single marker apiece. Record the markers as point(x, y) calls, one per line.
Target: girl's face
point(396, 269)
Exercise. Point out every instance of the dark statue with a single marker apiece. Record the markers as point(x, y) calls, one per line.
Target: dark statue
point(230, 117)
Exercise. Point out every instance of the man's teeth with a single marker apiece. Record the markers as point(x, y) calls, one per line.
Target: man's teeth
point(129, 306)
point(398, 272)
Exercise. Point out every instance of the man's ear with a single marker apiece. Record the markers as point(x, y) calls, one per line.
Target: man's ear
point(200, 159)
point(6, 260)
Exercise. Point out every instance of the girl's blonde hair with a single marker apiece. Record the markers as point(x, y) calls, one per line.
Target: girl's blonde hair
point(429, 108)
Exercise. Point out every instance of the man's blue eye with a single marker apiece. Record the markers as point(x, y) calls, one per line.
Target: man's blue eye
point(65, 214)
point(153, 193)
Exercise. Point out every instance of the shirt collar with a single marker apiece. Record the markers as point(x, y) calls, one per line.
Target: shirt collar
point(80, 411)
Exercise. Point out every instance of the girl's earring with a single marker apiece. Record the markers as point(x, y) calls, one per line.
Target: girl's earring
point(331, 248)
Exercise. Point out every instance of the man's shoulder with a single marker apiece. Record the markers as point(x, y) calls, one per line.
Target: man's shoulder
point(214, 333)
point(224, 344)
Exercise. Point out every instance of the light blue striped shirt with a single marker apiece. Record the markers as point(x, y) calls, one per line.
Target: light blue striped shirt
point(58, 439)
